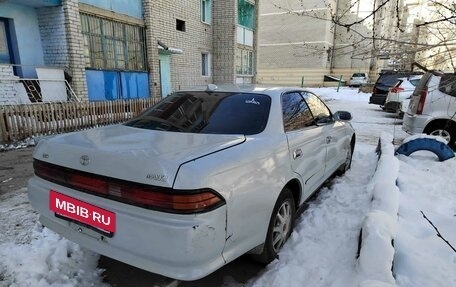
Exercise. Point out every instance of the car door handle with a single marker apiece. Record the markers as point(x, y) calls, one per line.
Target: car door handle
point(328, 139)
point(297, 153)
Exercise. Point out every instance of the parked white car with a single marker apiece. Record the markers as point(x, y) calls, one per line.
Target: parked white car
point(358, 79)
point(195, 181)
point(432, 108)
point(399, 95)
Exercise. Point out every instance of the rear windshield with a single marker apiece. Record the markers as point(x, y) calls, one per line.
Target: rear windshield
point(358, 75)
point(208, 113)
point(388, 79)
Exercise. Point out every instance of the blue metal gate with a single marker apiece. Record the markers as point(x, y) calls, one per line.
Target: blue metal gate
point(114, 85)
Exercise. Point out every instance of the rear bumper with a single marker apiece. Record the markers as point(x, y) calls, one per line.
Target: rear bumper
point(414, 124)
point(377, 99)
point(392, 107)
point(357, 82)
point(186, 247)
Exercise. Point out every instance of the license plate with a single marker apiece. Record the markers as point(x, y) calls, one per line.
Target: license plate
point(81, 211)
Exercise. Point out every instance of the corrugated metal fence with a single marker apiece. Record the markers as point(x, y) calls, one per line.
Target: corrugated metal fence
point(19, 122)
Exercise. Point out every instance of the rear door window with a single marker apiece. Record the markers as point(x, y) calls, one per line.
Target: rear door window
point(447, 84)
point(414, 82)
point(296, 112)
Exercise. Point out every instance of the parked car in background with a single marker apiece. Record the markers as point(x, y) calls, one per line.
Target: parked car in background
point(385, 81)
point(432, 108)
point(400, 94)
point(195, 181)
point(358, 79)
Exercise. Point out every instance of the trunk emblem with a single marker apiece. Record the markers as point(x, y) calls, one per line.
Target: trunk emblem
point(84, 160)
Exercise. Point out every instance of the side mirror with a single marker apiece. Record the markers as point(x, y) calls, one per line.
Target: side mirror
point(342, 116)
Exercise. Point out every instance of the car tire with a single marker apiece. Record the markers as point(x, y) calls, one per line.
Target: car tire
point(280, 227)
point(441, 150)
point(348, 161)
point(448, 132)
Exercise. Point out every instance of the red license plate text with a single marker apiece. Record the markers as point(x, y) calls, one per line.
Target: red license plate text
point(82, 211)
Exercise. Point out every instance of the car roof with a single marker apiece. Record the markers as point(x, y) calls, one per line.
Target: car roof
point(256, 89)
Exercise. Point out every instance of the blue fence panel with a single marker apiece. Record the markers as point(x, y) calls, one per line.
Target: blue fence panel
point(135, 85)
point(113, 85)
point(103, 85)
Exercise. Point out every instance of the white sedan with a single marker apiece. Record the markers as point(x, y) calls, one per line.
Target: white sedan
point(195, 181)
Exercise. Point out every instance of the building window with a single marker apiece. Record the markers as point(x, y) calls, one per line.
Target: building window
point(113, 45)
point(205, 64)
point(206, 7)
point(246, 13)
point(244, 62)
point(180, 25)
point(5, 55)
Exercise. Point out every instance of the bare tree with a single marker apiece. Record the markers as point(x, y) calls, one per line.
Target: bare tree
point(393, 30)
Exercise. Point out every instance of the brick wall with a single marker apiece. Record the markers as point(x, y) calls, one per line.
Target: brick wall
point(150, 9)
point(75, 44)
point(53, 36)
point(224, 19)
point(160, 18)
point(7, 91)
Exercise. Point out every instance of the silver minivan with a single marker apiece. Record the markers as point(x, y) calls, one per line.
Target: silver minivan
point(432, 108)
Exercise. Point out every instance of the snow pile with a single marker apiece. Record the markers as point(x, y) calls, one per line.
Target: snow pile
point(422, 258)
point(39, 257)
point(379, 228)
point(17, 145)
point(424, 136)
point(344, 94)
point(322, 249)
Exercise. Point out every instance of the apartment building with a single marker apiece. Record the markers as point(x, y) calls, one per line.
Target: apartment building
point(114, 49)
point(299, 43)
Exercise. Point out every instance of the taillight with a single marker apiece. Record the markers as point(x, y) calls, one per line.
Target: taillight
point(142, 195)
point(423, 95)
point(397, 89)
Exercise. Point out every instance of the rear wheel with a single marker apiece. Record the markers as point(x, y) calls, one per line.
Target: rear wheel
point(444, 130)
point(280, 227)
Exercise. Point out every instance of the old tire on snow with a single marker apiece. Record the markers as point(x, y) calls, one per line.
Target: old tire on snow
point(440, 149)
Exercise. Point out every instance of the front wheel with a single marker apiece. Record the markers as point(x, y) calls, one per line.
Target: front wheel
point(348, 161)
point(280, 227)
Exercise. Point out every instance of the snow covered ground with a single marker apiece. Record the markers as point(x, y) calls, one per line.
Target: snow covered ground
point(321, 251)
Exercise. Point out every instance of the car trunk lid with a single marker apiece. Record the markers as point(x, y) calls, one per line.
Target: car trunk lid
point(133, 154)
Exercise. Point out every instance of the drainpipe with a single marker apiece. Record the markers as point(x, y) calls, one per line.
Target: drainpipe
point(333, 54)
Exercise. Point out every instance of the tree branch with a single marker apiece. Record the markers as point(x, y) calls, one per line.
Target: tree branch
point(438, 232)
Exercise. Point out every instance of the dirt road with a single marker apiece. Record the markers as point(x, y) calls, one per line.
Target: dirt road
point(16, 167)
